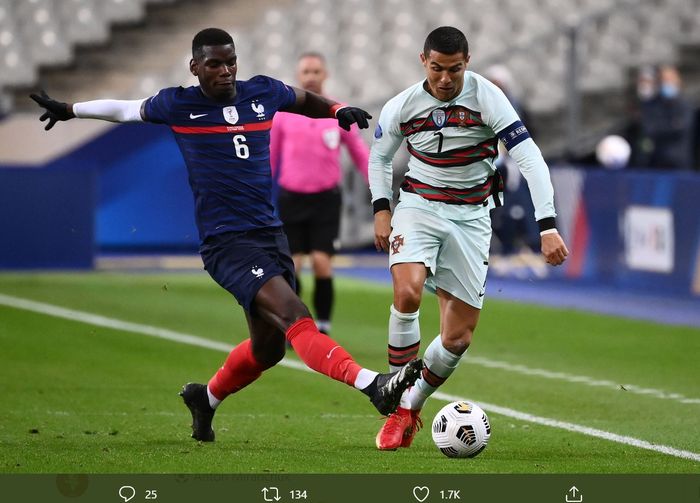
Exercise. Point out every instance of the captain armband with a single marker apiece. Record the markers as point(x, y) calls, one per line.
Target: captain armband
point(513, 135)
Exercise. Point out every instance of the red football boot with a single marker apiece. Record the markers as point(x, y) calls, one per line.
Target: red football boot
point(399, 429)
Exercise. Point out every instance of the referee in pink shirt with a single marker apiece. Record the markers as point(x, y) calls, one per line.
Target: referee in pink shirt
point(305, 156)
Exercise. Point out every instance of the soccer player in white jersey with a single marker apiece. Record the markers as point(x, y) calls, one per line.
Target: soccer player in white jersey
point(440, 231)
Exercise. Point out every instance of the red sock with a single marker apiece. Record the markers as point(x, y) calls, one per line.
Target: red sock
point(239, 370)
point(322, 353)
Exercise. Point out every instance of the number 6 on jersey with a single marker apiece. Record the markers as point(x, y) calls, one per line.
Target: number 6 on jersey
point(242, 150)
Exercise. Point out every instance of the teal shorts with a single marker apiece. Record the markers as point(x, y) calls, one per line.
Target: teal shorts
point(456, 252)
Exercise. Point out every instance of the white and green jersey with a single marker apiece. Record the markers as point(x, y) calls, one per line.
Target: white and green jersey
point(453, 145)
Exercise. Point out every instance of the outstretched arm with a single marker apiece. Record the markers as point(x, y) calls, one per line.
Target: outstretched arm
point(55, 110)
point(319, 107)
point(108, 110)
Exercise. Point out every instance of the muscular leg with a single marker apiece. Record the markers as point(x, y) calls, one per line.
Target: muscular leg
point(277, 304)
point(404, 329)
point(404, 342)
point(408, 280)
point(323, 289)
point(268, 346)
point(458, 321)
point(277, 311)
point(247, 360)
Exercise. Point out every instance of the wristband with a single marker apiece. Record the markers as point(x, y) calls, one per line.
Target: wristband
point(381, 205)
point(334, 109)
point(547, 223)
point(553, 230)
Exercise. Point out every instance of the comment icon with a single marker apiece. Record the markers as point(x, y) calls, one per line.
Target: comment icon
point(127, 493)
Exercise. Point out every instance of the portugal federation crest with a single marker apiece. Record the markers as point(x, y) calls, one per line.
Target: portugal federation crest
point(396, 244)
point(439, 117)
point(230, 114)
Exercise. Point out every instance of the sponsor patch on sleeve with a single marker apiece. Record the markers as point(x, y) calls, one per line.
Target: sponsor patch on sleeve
point(378, 132)
point(513, 134)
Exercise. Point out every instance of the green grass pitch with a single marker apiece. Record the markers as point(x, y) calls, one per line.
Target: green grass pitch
point(80, 398)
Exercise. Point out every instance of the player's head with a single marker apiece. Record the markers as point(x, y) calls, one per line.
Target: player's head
point(445, 58)
point(311, 71)
point(214, 63)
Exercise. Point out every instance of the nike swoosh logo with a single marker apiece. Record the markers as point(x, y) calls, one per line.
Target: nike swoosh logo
point(331, 352)
point(193, 116)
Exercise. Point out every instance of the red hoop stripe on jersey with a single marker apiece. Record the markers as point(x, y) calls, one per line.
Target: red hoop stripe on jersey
point(472, 195)
point(458, 157)
point(237, 128)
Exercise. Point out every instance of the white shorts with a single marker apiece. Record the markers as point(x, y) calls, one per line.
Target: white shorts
point(456, 252)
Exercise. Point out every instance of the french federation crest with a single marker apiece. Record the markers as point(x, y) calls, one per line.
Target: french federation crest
point(230, 115)
point(259, 109)
point(439, 117)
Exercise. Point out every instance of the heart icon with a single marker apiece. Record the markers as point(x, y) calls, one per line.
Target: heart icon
point(421, 493)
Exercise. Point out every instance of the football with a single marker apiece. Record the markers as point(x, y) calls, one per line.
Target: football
point(461, 430)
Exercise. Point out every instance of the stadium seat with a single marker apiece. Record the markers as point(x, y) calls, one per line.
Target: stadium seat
point(359, 36)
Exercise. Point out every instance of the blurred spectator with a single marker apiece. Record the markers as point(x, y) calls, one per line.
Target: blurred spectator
point(514, 225)
point(664, 131)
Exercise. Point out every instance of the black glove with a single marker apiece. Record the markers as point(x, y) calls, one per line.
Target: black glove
point(55, 110)
point(347, 116)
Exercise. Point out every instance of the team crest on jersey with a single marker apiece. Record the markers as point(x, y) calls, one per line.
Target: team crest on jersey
point(259, 109)
point(439, 117)
point(331, 138)
point(396, 244)
point(230, 115)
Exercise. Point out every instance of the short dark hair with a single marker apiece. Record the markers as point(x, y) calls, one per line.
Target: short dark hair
point(312, 54)
point(447, 40)
point(209, 36)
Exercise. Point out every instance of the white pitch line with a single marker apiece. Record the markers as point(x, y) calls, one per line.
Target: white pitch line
point(588, 381)
point(193, 340)
point(577, 428)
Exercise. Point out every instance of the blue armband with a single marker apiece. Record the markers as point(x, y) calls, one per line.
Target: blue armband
point(513, 134)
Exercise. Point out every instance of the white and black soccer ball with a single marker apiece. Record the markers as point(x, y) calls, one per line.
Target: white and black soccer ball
point(461, 430)
point(613, 152)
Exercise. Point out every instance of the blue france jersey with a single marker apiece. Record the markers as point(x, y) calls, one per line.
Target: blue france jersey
point(226, 147)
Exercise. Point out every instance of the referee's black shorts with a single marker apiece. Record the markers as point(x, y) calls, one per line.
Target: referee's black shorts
point(311, 221)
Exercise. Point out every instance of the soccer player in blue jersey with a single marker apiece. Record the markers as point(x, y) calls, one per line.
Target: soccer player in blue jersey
point(222, 127)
